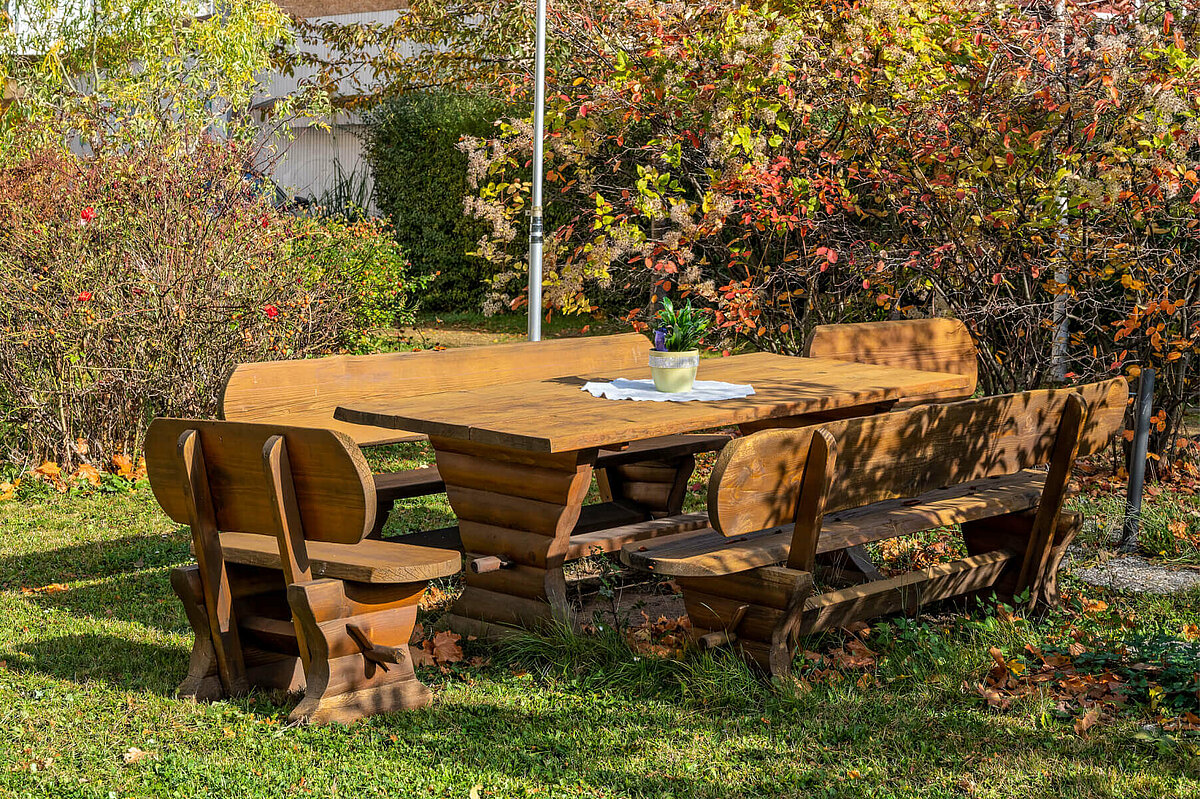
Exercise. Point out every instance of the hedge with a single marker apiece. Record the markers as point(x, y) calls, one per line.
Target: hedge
point(420, 181)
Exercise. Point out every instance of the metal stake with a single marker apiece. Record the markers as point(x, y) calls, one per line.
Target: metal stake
point(1137, 462)
point(535, 220)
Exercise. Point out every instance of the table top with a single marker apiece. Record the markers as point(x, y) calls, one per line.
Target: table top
point(556, 415)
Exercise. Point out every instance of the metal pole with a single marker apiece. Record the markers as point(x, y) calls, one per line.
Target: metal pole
point(1058, 358)
point(535, 219)
point(1137, 462)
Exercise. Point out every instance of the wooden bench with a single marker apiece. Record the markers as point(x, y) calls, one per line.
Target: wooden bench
point(930, 345)
point(782, 503)
point(286, 593)
point(648, 479)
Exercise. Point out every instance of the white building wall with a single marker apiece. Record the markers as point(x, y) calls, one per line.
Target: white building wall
point(309, 164)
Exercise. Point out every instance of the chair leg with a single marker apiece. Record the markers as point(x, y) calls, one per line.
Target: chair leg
point(346, 680)
point(758, 611)
point(1011, 531)
point(203, 681)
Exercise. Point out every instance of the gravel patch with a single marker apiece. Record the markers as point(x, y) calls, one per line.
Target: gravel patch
point(1136, 574)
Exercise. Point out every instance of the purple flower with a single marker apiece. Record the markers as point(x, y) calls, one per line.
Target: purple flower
point(660, 340)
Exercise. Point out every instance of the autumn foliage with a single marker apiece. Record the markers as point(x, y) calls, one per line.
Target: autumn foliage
point(132, 284)
point(829, 161)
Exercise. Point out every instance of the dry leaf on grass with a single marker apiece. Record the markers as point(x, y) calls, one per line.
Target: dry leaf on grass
point(134, 755)
point(444, 648)
point(53, 588)
point(1087, 721)
point(86, 473)
point(420, 657)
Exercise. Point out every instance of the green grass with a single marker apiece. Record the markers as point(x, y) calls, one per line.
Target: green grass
point(90, 669)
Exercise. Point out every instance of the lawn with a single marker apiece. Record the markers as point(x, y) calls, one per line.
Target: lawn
point(93, 642)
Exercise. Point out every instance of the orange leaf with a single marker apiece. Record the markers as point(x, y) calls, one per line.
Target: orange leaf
point(124, 465)
point(1087, 721)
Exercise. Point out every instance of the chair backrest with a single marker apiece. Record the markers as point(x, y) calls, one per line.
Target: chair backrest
point(305, 392)
point(928, 345)
point(756, 482)
point(334, 490)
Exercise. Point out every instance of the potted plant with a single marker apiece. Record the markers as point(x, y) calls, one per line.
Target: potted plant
point(676, 352)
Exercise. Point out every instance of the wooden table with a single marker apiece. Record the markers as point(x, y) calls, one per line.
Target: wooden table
point(517, 458)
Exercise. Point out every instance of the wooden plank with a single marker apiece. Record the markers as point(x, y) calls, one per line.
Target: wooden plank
point(613, 538)
point(708, 553)
point(293, 554)
point(662, 448)
point(392, 486)
point(200, 514)
point(930, 345)
point(904, 594)
point(369, 561)
point(756, 481)
point(556, 416)
point(335, 492)
point(304, 393)
point(1041, 538)
point(820, 466)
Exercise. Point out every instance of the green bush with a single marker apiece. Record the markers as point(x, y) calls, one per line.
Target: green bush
point(368, 269)
point(420, 182)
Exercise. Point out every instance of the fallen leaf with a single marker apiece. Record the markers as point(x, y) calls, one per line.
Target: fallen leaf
point(86, 473)
point(421, 657)
point(123, 465)
point(444, 647)
point(134, 755)
point(1086, 721)
point(7, 491)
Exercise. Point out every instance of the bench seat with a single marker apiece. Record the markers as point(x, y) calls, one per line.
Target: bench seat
point(368, 561)
point(708, 553)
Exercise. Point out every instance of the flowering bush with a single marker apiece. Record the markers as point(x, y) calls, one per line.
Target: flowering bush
point(131, 284)
point(1032, 173)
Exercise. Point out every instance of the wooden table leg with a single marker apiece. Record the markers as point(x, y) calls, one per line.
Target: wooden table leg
point(520, 507)
point(658, 486)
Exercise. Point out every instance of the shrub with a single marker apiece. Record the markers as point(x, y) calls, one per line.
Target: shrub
point(828, 161)
point(364, 265)
point(131, 283)
point(420, 185)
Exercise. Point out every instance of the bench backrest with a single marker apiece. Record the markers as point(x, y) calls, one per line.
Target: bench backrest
point(756, 482)
point(305, 392)
point(928, 345)
point(334, 490)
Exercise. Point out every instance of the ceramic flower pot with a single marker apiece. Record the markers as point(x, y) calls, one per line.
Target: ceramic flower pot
point(674, 372)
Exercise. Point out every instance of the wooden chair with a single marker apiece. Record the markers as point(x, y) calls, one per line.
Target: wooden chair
point(285, 592)
point(780, 498)
point(648, 479)
point(929, 345)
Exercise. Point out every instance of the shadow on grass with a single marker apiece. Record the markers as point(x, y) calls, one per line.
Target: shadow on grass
point(640, 727)
point(144, 597)
point(118, 662)
point(92, 560)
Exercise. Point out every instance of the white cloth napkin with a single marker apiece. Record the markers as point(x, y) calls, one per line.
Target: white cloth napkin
point(644, 391)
